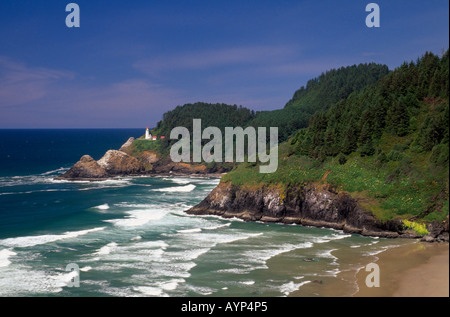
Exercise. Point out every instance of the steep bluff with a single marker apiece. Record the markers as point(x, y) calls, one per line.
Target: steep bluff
point(305, 204)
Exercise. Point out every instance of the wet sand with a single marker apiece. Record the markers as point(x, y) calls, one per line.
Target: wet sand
point(413, 270)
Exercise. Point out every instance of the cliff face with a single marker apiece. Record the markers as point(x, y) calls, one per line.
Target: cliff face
point(308, 204)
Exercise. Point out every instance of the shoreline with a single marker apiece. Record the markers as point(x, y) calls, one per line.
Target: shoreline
point(155, 175)
point(418, 269)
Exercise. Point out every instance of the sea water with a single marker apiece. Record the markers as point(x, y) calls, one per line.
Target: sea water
point(130, 236)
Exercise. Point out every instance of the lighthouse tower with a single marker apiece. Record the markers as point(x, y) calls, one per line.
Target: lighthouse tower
point(148, 136)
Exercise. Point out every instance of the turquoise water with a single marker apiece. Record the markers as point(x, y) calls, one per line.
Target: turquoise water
point(131, 237)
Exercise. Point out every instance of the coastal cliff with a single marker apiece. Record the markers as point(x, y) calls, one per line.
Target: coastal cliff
point(308, 205)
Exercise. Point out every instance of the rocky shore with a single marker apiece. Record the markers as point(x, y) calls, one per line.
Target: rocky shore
point(123, 162)
point(308, 205)
point(305, 204)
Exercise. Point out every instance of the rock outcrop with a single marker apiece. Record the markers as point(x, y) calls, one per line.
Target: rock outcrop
point(113, 163)
point(127, 145)
point(120, 163)
point(438, 231)
point(85, 169)
point(127, 161)
point(307, 204)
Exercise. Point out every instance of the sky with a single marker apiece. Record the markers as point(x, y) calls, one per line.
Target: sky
point(131, 61)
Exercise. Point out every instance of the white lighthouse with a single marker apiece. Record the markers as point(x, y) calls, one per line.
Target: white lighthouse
point(148, 136)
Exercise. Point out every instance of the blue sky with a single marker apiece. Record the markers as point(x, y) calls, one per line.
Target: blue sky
point(131, 61)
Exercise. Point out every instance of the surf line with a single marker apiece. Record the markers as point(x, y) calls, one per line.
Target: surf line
point(213, 150)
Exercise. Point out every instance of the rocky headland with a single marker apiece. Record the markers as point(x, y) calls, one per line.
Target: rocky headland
point(126, 162)
point(308, 205)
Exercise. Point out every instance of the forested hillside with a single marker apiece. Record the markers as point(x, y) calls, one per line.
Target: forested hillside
point(212, 115)
point(319, 94)
point(387, 145)
point(409, 103)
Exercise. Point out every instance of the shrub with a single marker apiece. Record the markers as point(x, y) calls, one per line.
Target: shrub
point(342, 159)
point(394, 155)
point(419, 228)
point(439, 154)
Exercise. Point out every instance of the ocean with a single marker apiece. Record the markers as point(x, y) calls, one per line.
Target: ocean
point(129, 236)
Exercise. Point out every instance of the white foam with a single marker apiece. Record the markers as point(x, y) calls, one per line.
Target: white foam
point(127, 205)
point(137, 255)
point(171, 285)
point(36, 191)
point(56, 171)
point(115, 181)
point(20, 280)
point(159, 288)
point(248, 282)
point(149, 290)
point(102, 207)
point(375, 252)
point(107, 249)
point(218, 227)
point(138, 218)
point(5, 254)
point(190, 230)
point(29, 241)
point(334, 236)
point(259, 257)
point(333, 272)
point(233, 271)
point(327, 254)
point(212, 239)
point(187, 188)
point(290, 287)
point(181, 181)
point(187, 255)
point(86, 269)
point(44, 178)
point(203, 181)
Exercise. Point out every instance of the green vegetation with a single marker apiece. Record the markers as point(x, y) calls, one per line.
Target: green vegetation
point(212, 115)
point(319, 94)
point(419, 228)
point(141, 145)
point(381, 136)
point(387, 145)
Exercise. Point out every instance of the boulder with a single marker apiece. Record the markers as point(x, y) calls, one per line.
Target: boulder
point(120, 163)
point(85, 169)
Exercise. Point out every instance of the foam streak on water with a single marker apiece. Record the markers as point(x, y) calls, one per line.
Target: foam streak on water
point(131, 237)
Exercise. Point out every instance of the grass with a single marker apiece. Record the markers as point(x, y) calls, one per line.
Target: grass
point(405, 188)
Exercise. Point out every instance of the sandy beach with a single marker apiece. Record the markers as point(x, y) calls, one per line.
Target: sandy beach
point(413, 270)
